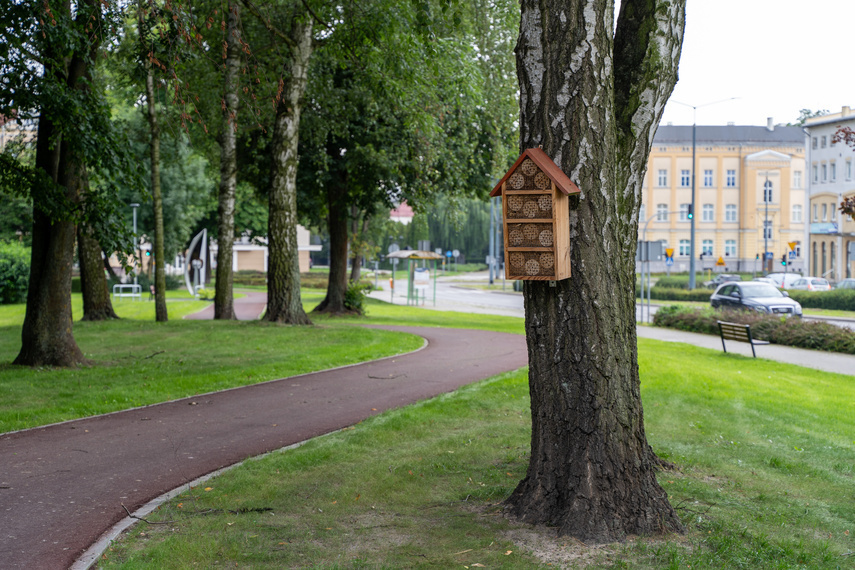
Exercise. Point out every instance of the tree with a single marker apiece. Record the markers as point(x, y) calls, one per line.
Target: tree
point(97, 305)
point(592, 98)
point(805, 114)
point(224, 307)
point(846, 135)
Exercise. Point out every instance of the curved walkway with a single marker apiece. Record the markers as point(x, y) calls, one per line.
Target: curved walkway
point(62, 486)
point(247, 308)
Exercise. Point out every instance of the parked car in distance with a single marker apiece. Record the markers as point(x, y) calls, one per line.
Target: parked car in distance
point(763, 280)
point(761, 297)
point(783, 280)
point(811, 284)
point(846, 284)
point(722, 278)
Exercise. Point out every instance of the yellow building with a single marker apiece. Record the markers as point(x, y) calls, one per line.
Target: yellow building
point(749, 197)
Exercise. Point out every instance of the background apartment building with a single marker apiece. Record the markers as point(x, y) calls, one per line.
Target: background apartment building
point(749, 196)
point(831, 179)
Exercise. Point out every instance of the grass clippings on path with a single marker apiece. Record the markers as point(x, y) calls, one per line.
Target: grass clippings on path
point(766, 453)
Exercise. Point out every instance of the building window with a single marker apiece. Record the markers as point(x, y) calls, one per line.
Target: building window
point(685, 179)
point(708, 213)
point(798, 249)
point(797, 213)
point(813, 257)
point(731, 178)
point(848, 170)
point(825, 212)
point(833, 170)
point(730, 213)
point(767, 191)
point(797, 179)
point(815, 174)
point(708, 182)
point(642, 213)
point(813, 143)
point(824, 172)
point(662, 179)
point(661, 212)
point(815, 216)
point(684, 247)
point(767, 229)
point(730, 247)
point(824, 141)
point(706, 247)
point(684, 213)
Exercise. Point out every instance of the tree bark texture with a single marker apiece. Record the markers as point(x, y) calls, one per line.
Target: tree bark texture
point(160, 314)
point(224, 306)
point(97, 305)
point(283, 270)
point(592, 100)
point(337, 219)
point(358, 234)
point(46, 336)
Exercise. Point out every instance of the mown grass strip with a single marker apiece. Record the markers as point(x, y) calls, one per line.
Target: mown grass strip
point(766, 454)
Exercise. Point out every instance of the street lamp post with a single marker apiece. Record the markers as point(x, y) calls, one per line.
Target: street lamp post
point(692, 219)
point(135, 206)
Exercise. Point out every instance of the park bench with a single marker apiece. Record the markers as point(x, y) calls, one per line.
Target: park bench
point(738, 332)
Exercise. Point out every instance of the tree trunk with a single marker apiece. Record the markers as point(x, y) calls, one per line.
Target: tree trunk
point(97, 305)
point(358, 236)
point(283, 271)
point(592, 472)
point(224, 305)
point(158, 258)
point(46, 335)
point(338, 229)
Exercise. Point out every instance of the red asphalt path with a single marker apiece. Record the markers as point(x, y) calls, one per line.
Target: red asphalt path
point(62, 486)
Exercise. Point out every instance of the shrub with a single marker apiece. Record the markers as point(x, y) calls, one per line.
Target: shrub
point(14, 272)
point(673, 282)
point(816, 335)
point(206, 294)
point(249, 277)
point(673, 294)
point(354, 297)
point(838, 299)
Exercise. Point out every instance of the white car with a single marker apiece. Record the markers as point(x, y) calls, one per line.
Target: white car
point(783, 280)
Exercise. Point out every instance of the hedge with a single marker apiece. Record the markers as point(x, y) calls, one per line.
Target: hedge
point(14, 272)
point(837, 299)
point(815, 335)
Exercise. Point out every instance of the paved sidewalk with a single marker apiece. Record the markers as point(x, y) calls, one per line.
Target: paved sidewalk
point(62, 486)
point(816, 359)
point(250, 307)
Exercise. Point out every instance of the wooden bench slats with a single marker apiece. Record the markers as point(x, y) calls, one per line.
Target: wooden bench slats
point(738, 332)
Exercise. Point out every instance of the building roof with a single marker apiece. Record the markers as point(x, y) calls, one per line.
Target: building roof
point(546, 164)
point(730, 134)
point(844, 116)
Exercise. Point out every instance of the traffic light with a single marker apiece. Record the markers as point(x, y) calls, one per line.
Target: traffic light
point(784, 260)
point(148, 253)
point(690, 213)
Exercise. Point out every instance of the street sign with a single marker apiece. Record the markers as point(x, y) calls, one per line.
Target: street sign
point(669, 261)
point(792, 255)
point(792, 245)
point(393, 248)
point(769, 255)
point(455, 253)
point(669, 252)
point(448, 254)
point(720, 262)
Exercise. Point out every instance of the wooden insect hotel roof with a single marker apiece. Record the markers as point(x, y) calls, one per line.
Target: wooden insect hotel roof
point(542, 160)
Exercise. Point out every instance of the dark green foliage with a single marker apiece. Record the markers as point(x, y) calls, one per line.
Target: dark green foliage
point(249, 277)
point(796, 332)
point(354, 297)
point(673, 282)
point(14, 272)
point(676, 294)
point(838, 299)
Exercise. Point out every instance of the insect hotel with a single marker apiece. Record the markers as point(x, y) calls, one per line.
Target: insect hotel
point(535, 218)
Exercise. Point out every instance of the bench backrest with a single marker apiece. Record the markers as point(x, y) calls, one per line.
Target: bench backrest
point(735, 331)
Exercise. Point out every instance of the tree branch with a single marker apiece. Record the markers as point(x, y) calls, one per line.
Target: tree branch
point(315, 16)
point(276, 31)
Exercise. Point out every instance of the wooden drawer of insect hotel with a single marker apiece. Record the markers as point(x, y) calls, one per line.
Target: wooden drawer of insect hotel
point(535, 217)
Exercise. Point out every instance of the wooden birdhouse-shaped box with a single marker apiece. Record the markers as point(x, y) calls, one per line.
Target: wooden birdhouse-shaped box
point(535, 217)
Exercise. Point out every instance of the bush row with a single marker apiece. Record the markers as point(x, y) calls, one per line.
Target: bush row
point(14, 272)
point(673, 294)
point(815, 335)
point(837, 299)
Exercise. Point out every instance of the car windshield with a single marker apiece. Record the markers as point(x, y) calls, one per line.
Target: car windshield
point(820, 282)
point(760, 290)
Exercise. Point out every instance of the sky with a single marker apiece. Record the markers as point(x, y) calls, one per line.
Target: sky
point(775, 56)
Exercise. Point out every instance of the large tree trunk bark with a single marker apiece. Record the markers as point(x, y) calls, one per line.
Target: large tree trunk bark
point(224, 305)
point(97, 305)
point(592, 472)
point(160, 314)
point(338, 229)
point(46, 335)
point(283, 271)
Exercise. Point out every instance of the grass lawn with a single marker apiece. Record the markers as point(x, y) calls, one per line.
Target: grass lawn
point(765, 453)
